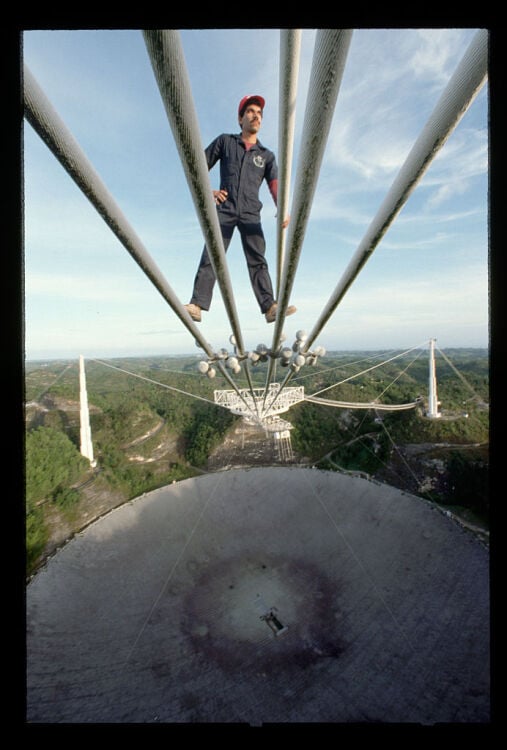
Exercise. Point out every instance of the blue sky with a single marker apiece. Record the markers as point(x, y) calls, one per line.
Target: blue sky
point(428, 278)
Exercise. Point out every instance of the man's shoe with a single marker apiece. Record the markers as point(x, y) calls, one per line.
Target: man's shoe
point(271, 313)
point(194, 311)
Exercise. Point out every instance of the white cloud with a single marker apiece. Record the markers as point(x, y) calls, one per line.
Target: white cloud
point(103, 84)
point(435, 58)
point(80, 288)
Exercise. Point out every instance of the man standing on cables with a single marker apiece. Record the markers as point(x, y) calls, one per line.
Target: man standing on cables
point(244, 164)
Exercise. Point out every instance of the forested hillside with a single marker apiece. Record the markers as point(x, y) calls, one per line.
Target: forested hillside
point(153, 422)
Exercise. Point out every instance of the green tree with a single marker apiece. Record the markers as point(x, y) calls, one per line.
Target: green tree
point(36, 537)
point(52, 463)
point(205, 432)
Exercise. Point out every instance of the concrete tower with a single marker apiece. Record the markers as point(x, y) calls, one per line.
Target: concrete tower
point(433, 402)
point(86, 433)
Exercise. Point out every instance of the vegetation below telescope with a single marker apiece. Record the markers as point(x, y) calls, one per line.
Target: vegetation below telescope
point(146, 436)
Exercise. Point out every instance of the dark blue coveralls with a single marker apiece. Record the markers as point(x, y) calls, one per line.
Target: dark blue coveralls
point(241, 174)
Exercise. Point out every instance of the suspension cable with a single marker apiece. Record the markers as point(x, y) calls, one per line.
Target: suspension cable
point(368, 369)
point(360, 438)
point(460, 375)
point(361, 404)
point(168, 62)
point(398, 376)
point(343, 365)
point(400, 454)
point(47, 123)
point(374, 404)
point(290, 48)
point(459, 93)
point(154, 382)
point(48, 387)
point(330, 52)
point(290, 375)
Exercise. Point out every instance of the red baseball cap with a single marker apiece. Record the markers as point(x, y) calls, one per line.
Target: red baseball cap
point(255, 98)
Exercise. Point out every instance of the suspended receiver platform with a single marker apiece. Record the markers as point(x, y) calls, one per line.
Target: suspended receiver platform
point(259, 404)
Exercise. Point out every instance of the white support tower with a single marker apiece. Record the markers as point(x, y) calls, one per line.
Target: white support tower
point(86, 433)
point(433, 402)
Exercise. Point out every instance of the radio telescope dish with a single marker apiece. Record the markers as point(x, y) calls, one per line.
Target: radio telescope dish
point(263, 595)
